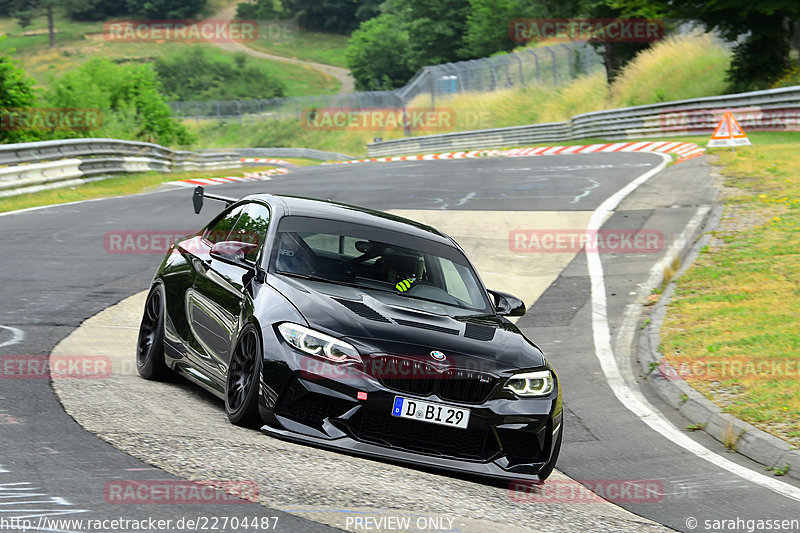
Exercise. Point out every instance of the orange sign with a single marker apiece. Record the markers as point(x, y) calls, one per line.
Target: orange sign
point(728, 133)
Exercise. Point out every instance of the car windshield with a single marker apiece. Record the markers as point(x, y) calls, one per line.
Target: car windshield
point(377, 259)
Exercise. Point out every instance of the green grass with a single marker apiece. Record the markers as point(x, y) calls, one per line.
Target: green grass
point(122, 185)
point(326, 48)
point(738, 304)
point(77, 42)
point(258, 132)
point(674, 69)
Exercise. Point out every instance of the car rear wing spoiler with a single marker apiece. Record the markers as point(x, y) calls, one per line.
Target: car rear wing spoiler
point(200, 194)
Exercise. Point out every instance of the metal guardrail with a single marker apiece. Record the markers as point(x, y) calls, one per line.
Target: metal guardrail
point(302, 153)
point(40, 164)
point(770, 110)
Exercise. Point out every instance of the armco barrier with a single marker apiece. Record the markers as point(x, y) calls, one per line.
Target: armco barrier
point(303, 153)
point(33, 165)
point(771, 110)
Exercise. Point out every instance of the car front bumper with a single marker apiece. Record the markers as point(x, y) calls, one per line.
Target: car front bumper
point(509, 439)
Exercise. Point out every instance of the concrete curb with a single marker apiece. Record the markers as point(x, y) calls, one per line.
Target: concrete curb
point(744, 438)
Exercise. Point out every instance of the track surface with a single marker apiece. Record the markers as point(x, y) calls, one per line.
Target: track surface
point(57, 274)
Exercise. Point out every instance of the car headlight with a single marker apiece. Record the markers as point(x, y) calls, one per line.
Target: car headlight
point(316, 343)
point(539, 383)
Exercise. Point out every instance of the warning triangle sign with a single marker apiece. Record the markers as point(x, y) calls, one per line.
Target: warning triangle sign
point(728, 133)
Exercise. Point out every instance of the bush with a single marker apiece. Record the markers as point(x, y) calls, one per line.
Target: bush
point(16, 91)
point(199, 75)
point(261, 10)
point(167, 9)
point(378, 55)
point(128, 97)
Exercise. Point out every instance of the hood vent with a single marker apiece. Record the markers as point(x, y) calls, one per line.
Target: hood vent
point(363, 310)
point(423, 325)
point(479, 332)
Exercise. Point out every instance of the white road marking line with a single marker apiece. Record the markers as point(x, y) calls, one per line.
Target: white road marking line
point(587, 191)
point(630, 396)
point(466, 198)
point(17, 336)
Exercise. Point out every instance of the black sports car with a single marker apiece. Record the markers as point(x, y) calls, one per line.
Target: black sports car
point(356, 330)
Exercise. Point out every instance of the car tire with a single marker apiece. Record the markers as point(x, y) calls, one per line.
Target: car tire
point(150, 346)
point(242, 382)
point(548, 468)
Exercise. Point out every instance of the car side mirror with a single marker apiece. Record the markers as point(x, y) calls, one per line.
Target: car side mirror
point(233, 252)
point(506, 304)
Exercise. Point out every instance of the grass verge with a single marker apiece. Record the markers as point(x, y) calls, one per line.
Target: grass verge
point(325, 48)
point(117, 186)
point(78, 42)
point(732, 328)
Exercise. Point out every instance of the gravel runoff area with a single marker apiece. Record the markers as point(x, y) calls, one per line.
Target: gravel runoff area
point(183, 430)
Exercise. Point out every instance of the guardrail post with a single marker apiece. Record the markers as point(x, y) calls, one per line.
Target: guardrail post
point(569, 61)
point(538, 71)
point(433, 88)
point(555, 71)
point(519, 63)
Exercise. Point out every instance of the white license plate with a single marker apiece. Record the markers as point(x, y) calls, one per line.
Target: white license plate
point(435, 413)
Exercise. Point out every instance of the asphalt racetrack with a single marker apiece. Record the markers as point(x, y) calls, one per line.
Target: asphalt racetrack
point(59, 269)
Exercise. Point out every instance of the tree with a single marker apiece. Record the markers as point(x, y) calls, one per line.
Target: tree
point(378, 55)
point(16, 92)
point(26, 10)
point(260, 10)
point(96, 9)
point(167, 9)
point(436, 30)
point(617, 54)
point(488, 25)
point(761, 29)
point(337, 16)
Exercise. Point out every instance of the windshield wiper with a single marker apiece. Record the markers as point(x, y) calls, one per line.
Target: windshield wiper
point(312, 277)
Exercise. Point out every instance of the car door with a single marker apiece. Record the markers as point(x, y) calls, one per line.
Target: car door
point(221, 288)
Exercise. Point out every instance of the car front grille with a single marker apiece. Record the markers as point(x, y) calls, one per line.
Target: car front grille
point(414, 376)
point(301, 404)
point(432, 439)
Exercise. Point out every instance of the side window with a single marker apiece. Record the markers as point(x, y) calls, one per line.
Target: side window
point(251, 227)
point(219, 231)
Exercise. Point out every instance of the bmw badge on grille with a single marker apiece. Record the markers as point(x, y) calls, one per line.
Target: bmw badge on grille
point(439, 356)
